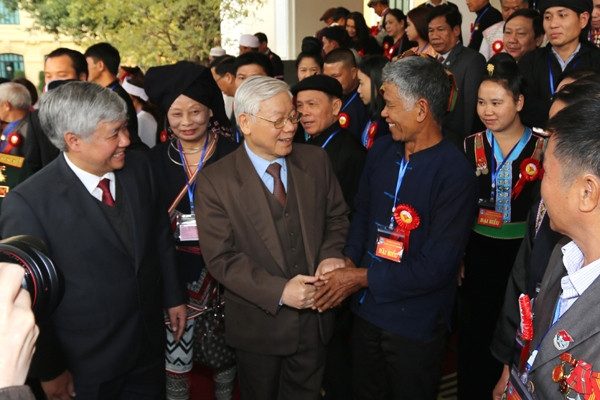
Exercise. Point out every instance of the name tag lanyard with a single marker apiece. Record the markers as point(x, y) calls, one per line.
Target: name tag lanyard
point(401, 173)
point(551, 75)
point(349, 101)
point(534, 353)
point(329, 139)
point(520, 145)
point(191, 186)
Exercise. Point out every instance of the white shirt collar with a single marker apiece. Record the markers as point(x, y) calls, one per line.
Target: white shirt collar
point(579, 278)
point(90, 181)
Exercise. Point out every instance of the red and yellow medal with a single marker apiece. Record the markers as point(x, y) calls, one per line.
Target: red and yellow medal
point(530, 169)
point(497, 46)
point(407, 219)
point(344, 120)
point(13, 140)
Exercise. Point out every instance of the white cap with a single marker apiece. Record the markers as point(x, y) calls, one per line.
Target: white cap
point(249, 41)
point(217, 52)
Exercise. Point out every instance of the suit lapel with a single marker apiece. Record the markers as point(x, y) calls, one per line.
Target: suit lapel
point(251, 196)
point(133, 206)
point(84, 208)
point(454, 53)
point(573, 321)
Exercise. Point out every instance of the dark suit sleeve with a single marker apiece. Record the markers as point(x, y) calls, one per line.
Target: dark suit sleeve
point(174, 290)
point(235, 269)
point(503, 342)
point(357, 236)
point(19, 218)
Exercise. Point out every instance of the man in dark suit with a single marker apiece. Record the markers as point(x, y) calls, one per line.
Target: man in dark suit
point(565, 24)
point(263, 47)
point(264, 237)
point(467, 66)
point(564, 356)
point(111, 243)
point(103, 66)
point(61, 64)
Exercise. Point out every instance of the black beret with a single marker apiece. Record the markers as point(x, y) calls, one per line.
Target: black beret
point(323, 83)
point(578, 6)
point(165, 83)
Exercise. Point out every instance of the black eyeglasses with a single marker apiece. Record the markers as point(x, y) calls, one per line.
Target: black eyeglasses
point(279, 123)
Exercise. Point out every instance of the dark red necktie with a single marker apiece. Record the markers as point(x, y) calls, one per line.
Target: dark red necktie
point(278, 190)
point(107, 198)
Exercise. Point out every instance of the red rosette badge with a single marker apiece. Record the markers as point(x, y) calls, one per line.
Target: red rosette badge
point(344, 120)
point(164, 136)
point(497, 46)
point(530, 169)
point(371, 132)
point(13, 140)
point(407, 219)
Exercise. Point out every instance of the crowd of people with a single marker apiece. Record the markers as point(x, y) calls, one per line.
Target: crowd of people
point(407, 184)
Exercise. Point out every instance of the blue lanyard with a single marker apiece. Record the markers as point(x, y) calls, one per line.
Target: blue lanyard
point(479, 18)
point(365, 135)
point(520, 146)
point(401, 173)
point(191, 187)
point(555, 320)
point(329, 138)
point(237, 135)
point(113, 86)
point(551, 75)
point(349, 101)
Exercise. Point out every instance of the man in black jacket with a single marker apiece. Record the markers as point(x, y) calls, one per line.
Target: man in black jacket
point(565, 24)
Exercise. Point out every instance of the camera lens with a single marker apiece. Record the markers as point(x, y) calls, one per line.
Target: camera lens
point(40, 279)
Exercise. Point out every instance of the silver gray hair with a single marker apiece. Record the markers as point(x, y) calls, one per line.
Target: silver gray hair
point(254, 90)
point(420, 77)
point(79, 107)
point(16, 94)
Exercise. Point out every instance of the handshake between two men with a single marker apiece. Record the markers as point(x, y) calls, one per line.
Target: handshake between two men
point(334, 280)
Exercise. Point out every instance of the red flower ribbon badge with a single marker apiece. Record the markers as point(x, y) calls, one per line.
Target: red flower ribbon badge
point(371, 134)
point(407, 219)
point(164, 136)
point(13, 140)
point(531, 169)
point(497, 46)
point(344, 120)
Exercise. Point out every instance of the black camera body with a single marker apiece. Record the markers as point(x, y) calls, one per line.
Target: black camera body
point(41, 279)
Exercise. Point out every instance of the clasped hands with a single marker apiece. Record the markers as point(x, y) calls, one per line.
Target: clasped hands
point(334, 280)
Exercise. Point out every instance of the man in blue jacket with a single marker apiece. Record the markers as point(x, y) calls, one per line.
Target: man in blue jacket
point(412, 216)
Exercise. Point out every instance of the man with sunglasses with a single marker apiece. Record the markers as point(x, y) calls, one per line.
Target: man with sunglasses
point(271, 219)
